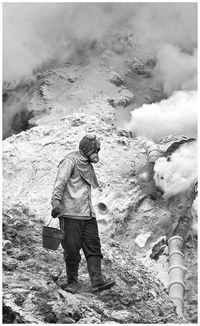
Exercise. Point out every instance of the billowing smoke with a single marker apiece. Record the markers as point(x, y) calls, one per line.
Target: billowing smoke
point(169, 23)
point(176, 70)
point(34, 33)
point(39, 35)
point(179, 173)
point(175, 115)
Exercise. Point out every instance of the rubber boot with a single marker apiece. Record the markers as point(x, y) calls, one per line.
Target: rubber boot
point(97, 281)
point(72, 278)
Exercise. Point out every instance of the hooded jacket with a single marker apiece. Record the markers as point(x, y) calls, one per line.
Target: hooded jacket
point(72, 188)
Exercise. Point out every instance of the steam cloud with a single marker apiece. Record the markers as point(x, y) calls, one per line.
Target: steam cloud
point(37, 33)
point(175, 115)
point(177, 70)
point(34, 33)
point(179, 173)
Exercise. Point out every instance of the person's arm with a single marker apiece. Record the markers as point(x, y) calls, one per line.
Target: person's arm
point(65, 169)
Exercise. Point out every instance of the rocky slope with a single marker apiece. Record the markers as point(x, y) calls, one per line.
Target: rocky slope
point(66, 103)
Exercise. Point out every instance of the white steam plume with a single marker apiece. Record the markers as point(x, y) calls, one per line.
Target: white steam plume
point(177, 70)
point(172, 23)
point(175, 115)
point(36, 32)
point(179, 173)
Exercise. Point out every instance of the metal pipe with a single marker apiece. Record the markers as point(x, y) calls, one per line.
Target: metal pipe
point(176, 272)
point(104, 204)
point(152, 150)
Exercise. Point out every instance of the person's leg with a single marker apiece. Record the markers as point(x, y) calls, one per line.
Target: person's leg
point(72, 244)
point(91, 242)
point(92, 250)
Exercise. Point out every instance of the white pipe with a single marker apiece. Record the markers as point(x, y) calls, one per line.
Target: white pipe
point(104, 204)
point(152, 150)
point(176, 272)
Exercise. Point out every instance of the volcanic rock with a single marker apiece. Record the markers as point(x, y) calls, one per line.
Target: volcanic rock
point(30, 161)
point(116, 79)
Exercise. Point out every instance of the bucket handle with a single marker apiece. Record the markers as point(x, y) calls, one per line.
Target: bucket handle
point(61, 219)
point(49, 221)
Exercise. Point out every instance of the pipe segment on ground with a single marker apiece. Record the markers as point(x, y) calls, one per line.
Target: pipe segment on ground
point(175, 243)
point(152, 150)
point(176, 272)
point(104, 203)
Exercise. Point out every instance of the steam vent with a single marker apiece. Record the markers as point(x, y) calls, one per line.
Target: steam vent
point(127, 73)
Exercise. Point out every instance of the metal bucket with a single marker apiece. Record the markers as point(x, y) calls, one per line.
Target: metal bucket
point(52, 237)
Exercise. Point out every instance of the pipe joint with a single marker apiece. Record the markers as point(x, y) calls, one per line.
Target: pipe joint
point(177, 283)
point(177, 252)
point(176, 266)
point(176, 272)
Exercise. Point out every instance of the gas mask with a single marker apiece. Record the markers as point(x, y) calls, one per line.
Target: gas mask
point(90, 147)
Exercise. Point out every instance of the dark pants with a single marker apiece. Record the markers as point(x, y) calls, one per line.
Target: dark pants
point(80, 234)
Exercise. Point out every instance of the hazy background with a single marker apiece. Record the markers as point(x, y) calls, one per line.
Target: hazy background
point(36, 32)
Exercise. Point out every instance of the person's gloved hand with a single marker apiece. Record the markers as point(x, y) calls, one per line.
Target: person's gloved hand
point(55, 211)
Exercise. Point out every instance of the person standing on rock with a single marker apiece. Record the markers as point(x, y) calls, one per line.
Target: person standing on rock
point(71, 201)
